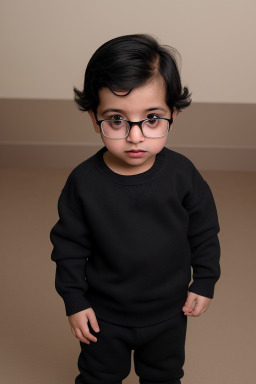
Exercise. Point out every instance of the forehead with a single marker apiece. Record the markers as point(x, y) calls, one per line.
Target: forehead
point(139, 99)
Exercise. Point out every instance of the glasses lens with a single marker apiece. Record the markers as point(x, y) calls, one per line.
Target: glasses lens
point(115, 129)
point(155, 127)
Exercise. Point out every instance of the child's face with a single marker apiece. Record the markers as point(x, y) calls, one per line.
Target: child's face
point(133, 107)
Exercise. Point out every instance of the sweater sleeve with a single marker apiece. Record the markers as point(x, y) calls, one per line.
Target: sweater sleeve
point(71, 248)
point(204, 242)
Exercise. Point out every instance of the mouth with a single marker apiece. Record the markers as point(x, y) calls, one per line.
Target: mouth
point(136, 150)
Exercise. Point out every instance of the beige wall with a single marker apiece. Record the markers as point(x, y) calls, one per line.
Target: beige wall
point(45, 47)
point(46, 44)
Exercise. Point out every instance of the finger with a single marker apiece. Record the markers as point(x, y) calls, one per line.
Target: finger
point(191, 314)
point(87, 334)
point(93, 321)
point(189, 304)
point(188, 307)
point(81, 337)
point(197, 311)
point(187, 313)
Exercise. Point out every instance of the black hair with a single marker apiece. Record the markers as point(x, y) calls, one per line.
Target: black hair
point(128, 62)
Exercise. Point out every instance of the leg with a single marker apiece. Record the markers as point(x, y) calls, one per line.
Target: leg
point(108, 360)
point(160, 356)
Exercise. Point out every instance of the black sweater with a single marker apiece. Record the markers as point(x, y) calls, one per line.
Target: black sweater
point(124, 244)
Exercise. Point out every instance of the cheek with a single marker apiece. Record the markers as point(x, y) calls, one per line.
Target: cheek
point(158, 144)
point(114, 146)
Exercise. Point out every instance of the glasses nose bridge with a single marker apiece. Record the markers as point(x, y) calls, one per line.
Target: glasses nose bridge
point(139, 123)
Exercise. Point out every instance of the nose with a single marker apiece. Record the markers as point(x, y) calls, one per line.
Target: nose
point(135, 134)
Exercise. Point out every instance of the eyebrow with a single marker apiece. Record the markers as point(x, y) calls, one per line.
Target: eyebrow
point(121, 111)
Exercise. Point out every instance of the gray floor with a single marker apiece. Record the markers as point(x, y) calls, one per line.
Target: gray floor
point(37, 345)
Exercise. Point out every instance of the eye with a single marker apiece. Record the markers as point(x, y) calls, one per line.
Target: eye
point(116, 120)
point(152, 119)
point(152, 116)
point(115, 117)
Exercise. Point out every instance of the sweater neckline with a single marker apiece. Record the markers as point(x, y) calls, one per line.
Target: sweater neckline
point(139, 178)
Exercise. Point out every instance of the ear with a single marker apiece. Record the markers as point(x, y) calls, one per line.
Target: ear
point(95, 125)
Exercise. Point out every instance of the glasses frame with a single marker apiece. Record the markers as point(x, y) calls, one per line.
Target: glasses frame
point(131, 123)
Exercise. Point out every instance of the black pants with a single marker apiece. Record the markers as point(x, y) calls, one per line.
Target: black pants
point(159, 353)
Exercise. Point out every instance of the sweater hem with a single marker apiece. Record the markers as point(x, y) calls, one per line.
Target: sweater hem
point(137, 320)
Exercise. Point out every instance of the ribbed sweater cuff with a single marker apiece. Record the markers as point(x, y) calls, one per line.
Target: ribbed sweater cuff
point(203, 287)
point(74, 304)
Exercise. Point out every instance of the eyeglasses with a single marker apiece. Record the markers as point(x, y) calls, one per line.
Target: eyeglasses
point(119, 129)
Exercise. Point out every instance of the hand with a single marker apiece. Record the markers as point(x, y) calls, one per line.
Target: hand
point(79, 325)
point(195, 304)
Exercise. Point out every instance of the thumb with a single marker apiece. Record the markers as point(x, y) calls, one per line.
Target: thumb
point(93, 321)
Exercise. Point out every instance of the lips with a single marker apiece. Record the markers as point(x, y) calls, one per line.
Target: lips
point(136, 150)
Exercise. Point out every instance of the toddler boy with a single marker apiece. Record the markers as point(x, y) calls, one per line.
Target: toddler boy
point(133, 219)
